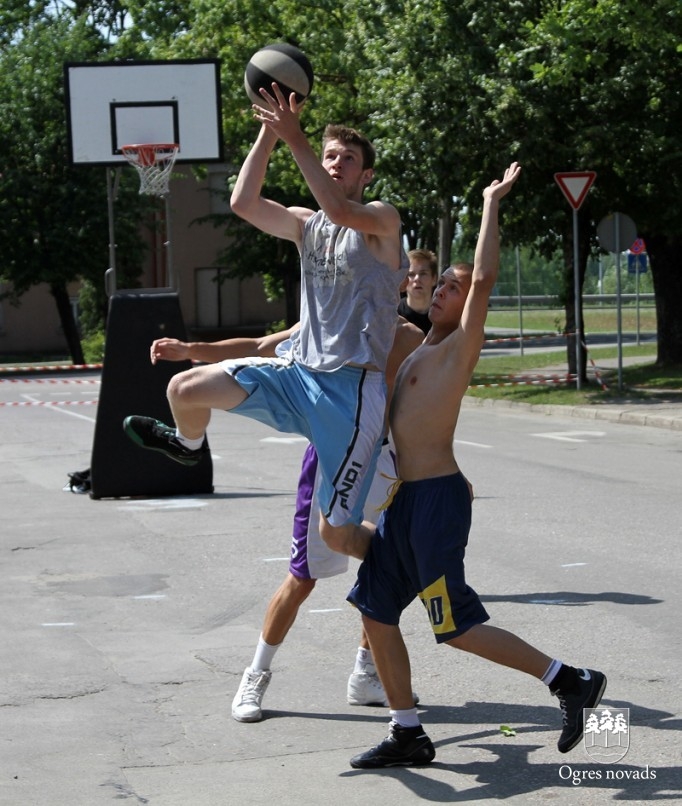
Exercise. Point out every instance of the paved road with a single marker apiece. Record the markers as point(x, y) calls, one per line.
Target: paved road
point(126, 624)
point(505, 341)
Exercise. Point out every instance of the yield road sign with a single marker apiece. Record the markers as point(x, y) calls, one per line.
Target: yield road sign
point(574, 186)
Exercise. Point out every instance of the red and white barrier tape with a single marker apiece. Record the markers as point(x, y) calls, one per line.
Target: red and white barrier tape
point(51, 403)
point(565, 379)
point(50, 380)
point(524, 376)
point(527, 338)
point(599, 378)
point(50, 368)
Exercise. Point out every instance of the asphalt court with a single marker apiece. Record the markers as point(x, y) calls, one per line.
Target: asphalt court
point(127, 624)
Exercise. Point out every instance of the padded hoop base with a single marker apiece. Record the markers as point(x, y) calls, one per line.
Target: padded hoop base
point(131, 384)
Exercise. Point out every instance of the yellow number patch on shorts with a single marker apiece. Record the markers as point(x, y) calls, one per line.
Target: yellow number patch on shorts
point(437, 603)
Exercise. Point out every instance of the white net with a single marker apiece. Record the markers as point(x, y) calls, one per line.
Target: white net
point(154, 164)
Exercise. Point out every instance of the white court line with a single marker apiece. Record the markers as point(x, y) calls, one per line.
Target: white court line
point(572, 565)
point(548, 601)
point(150, 596)
point(284, 440)
point(163, 503)
point(570, 436)
point(276, 559)
point(59, 624)
point(472, 444)
point(328, 610)
point(33, 399)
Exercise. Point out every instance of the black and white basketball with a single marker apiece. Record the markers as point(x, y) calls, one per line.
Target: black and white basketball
point(285, 64)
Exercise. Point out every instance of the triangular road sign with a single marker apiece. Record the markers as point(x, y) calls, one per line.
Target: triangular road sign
point(574, 186)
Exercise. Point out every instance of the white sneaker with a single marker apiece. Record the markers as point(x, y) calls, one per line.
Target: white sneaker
point(247, 700)
point(366, 689)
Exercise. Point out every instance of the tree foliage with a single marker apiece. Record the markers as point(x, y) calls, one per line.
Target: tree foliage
point(596, 81)
point(451, 93)
point(53, 215)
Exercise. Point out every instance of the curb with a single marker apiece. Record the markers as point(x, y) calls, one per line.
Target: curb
point(615, 413)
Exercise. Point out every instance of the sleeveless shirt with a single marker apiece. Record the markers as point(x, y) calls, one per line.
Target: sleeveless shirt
point(348, 299)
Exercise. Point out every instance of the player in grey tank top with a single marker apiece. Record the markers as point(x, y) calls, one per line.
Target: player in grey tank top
point(331, 387)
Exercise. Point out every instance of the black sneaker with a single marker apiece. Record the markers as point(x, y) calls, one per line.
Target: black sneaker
point(156, 436)
point(586, 694)
point(403, 747)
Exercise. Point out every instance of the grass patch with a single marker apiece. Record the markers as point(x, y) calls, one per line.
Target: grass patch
point(597, 320)
point(640, 380)
point(647, 376)
point(528, 362)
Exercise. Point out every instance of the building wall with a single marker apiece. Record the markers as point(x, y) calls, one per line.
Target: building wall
point(32, 327)
point(209, 313)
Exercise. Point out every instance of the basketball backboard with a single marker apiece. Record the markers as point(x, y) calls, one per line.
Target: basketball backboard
point(112, 104)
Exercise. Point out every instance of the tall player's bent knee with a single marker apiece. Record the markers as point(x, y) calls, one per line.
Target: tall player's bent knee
point(351, 539)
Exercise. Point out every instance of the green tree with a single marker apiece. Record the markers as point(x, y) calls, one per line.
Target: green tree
point(451, 92)
point(592, 86)
point(460, 89)
point(53, 215)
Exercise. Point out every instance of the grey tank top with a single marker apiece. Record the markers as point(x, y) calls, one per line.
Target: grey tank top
point(349, 299)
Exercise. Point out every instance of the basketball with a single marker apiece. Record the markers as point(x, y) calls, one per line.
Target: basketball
point(285, 64)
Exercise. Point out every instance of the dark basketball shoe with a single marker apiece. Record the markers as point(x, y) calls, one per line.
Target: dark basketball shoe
point(585, 694)
point(156, 436)
point(403, 747)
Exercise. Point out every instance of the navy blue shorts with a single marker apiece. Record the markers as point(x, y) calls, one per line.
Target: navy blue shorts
point(418, 550)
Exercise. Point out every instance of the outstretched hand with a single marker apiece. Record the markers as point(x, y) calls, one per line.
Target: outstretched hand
point(281, 116)
point(499, 188)
point(168, 350)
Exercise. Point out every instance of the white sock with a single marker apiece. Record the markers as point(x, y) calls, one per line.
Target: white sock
point(264, 655)
point(190, 444)
point(406, 719)
point(551, 672)
point(364, 662)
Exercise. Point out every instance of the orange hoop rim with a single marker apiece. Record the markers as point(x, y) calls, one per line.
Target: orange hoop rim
point(147, 153)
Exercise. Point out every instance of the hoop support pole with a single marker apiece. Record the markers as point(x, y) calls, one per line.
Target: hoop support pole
point(110, 273)
point(168, 243)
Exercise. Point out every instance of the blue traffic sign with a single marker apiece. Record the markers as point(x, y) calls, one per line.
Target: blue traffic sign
point(637, 264)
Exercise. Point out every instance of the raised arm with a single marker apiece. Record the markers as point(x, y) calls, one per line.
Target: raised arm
point(246, 200)
point(486, 259)
point(282, 118)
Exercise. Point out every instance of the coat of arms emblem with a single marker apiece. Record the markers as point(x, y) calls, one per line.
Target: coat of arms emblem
point(607, 733)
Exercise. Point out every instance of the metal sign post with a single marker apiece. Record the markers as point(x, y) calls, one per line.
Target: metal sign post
point(638, 257)
point(574, 186)
point(615, 233)
point(518, 294)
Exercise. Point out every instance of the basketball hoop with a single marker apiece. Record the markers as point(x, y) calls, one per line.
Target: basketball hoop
point(154, 163)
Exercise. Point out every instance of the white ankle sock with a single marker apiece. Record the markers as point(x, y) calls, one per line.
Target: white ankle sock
point(190, 444)
point(364, 662)
point(406, 719)
point(551, 672)
point(264, 655)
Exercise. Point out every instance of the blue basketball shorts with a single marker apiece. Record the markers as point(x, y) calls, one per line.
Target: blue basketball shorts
point(342, 413)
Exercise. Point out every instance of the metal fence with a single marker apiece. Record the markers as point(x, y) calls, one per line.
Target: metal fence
point(552, 300)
